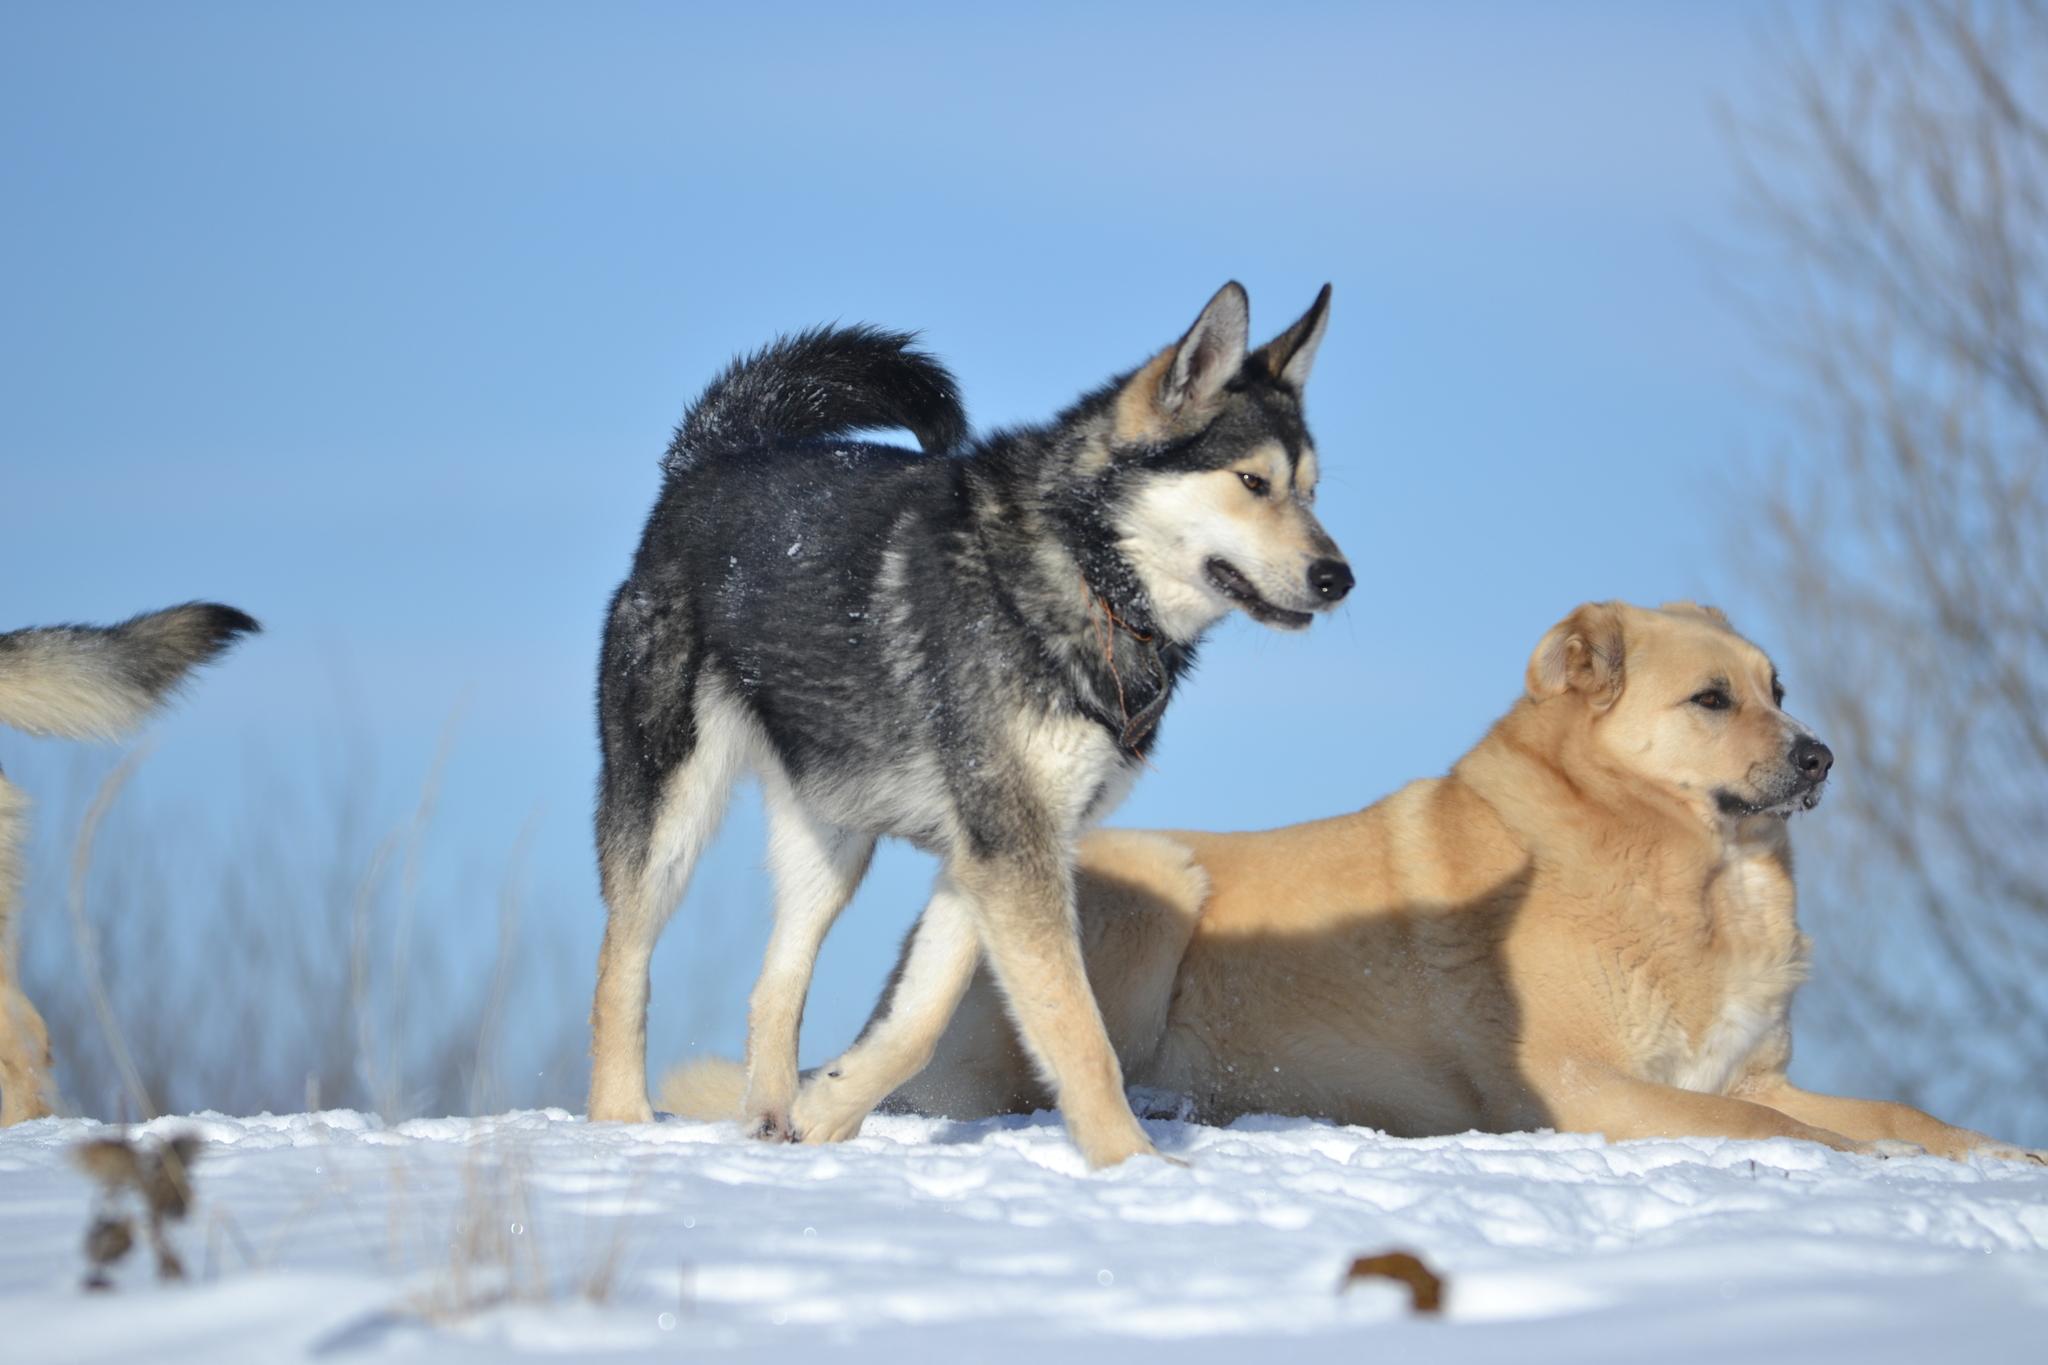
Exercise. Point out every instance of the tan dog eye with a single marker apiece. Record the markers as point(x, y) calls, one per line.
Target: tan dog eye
point(1777, 693)
point(1254, 483)
point(1713, 699)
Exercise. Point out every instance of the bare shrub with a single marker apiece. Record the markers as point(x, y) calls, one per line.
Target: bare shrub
point(288, 958)
point(1896, 167)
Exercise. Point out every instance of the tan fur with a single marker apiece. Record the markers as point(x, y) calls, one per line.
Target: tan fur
point(91, 683)
point(1142, 907)
point(642, 898)
point(25, 1090)
point(79, 682)
point(1173, 393)
point(1144, 912)
point(50, 686)
point(1176, 524)
point(1565, 932)
point(1203, 542)
point(707, 1089)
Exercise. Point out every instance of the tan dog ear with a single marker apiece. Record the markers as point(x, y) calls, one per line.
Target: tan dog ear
point(1289, 356)
point(1180, 381)
point(1714, 614)
point(1582, 653)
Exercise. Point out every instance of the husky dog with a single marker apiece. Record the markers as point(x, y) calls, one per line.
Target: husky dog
point(81, 682)
point(969, 649)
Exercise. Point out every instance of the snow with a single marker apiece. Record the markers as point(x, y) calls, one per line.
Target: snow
point(330, 1236)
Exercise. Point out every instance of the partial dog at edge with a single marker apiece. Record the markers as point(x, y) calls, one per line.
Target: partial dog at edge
point(81, 682)
point(1588, 926)
point(969, 649)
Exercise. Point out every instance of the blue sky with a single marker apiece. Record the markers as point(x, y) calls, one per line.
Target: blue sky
point(373, 320)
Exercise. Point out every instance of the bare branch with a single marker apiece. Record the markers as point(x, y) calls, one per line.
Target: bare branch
point(1895, 168)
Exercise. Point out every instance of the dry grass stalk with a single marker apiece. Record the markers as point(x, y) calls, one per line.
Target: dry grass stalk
point(294, 902)
point(88, 944)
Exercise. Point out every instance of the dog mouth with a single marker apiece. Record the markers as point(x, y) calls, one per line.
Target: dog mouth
point(1229, 580)
point(1802, 796)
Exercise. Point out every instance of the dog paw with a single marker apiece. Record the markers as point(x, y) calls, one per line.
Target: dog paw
point(2005, 1151)
point(769, 1127)
point(1891, 1147)
point(1101, 1155)
point(820, 1125)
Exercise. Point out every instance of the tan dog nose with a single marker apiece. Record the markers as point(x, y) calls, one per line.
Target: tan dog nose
point(1330, 579)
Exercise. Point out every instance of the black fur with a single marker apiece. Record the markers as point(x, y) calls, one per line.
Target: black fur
point(151, 653)
point(820, 383)
point(760, 565)
point(157, 649)
point(960, 648)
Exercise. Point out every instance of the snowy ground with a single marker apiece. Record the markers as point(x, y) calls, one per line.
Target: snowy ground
point(328, 1236)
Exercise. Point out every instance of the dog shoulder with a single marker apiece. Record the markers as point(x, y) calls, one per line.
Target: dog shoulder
point(1433, 843)
point(1121, 863)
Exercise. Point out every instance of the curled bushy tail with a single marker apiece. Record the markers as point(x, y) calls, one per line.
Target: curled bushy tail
point(823, 382)
point(706, 1089)
point(87, 682)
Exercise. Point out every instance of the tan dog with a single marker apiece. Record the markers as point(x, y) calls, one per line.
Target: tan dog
point(1588, 926)
point(81, 682)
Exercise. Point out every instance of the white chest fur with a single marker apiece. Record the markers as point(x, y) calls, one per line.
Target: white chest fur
point(1734, 995)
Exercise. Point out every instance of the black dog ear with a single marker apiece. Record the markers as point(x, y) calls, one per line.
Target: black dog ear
point(1582, 653)
point(1181, 381)
point(1289, 356)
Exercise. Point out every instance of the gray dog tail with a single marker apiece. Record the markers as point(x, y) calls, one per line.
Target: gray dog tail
point(821, 383)
point(87, 682)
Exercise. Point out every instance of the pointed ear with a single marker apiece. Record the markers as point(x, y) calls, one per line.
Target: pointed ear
point(1289, 356)
point(1582, 653)
point(1181, 380)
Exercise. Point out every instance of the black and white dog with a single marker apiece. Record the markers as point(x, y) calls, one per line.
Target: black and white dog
point(968, 648)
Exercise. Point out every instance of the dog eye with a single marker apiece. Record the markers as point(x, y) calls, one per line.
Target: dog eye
point(1777, 694)
point(1713, 699)
point(1253, 482)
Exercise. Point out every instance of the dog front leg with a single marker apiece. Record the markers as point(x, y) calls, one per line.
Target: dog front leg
point(1028, 928)
point(918, 1003)
point(1881, 1120)
point(1595, 1098)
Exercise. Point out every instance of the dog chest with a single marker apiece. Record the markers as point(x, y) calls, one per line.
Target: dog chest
point(1728, 991)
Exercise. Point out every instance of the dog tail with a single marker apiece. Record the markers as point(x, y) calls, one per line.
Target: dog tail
point(707, 1089)
point(94, 682)
point(821, 383)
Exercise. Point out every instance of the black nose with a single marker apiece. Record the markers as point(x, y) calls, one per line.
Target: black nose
point(1812, 758)
point(1330, 579)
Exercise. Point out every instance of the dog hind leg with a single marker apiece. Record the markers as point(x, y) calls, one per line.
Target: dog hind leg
point(930, 977)
point(816, 866)
point(645, 876)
